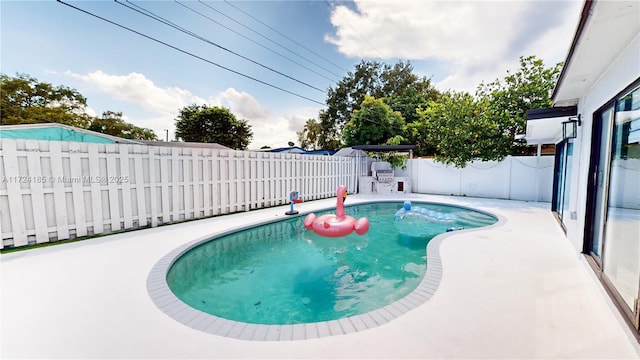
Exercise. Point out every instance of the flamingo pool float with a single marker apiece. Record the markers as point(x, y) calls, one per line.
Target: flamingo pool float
point(339, 224)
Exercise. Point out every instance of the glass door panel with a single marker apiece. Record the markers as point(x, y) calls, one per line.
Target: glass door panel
point(621, 253)
point(567, 178)
point(563, 176)
point(559, 197)
point(601, 183)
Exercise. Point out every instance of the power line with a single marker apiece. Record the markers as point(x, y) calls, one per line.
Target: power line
point(255, 42)
point(189, 53)
point(158, 18)
point(259, 34)
point(199, 57)
point(284, 35)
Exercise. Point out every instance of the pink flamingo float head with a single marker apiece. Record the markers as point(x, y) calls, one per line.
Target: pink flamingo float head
point(338, 224)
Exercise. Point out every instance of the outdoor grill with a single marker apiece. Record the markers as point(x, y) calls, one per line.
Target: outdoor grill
point(384, 176)
point(382, 172)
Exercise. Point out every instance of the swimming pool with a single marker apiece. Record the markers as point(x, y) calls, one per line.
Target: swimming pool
point(280, 274)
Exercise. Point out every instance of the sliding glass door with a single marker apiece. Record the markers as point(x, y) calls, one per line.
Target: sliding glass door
point(564, 160)
point(621, 252)
point(614, 205)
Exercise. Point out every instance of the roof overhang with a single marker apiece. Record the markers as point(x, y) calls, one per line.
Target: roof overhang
point(384, 147)
point(184, 144)
point(115, 139)
point(350, 152)
point(544, 126)
point(605, 29)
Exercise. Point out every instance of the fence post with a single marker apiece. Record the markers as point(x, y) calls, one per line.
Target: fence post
point(125, 186)
point(37, 192)
point(138, 175)
point(14, 193)
point(114, 198)
point(247, 180)
point(153, 186)
point(510, 182)
point(96, 193)
point(59, 198)
point(538, 154)
point(176, 155)
point(77, 184)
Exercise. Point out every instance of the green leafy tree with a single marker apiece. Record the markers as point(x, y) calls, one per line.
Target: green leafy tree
point(408, 101)
point(461, 129)
point(25, 100)
point(509, 99)
point(213, 125)
point(309, 136)
point(111, 123)
point(373, 124)
point(417, 133)
point(401, 88)
point(396, 160)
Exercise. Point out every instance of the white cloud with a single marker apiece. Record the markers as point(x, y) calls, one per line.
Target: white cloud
point(90, 111)
point(242, 104)
point(279, 130)
point(272, 130)
point(160, 106)
point(136, 88)
point(425, 29)
point(478, 40)
point(274, 134)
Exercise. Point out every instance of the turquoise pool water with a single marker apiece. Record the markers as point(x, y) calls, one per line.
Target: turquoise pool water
point(281, 273)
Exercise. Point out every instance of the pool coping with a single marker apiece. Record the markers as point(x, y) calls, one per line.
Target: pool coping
point(162, 296)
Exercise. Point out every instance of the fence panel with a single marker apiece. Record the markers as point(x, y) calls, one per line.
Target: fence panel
point(429, 177)
point(54, 190)
point(490, 179)
point(59, 190)
point(516, 178)
point(38, 208)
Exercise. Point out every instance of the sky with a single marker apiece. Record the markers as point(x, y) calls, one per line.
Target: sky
point(269, 62)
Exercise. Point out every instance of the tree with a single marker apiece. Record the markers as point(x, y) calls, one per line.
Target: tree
point(309, 136)
point(25, 100)
point(414, 132)
point(417, 133)
point(461, 129)
point(403, 90)
point(213, 125)
point(373, 124)
point(396, 160)
point(508, 100)
point(464, 128)
point(408, 101)
point(111, 123)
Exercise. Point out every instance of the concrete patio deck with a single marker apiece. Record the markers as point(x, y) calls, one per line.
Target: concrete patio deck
point(518, 290)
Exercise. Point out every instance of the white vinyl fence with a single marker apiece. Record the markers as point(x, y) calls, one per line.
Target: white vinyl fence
point(52, 190)
point(526, 178)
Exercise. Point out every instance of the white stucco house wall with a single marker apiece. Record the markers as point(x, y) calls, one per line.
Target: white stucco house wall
point(597, 167)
